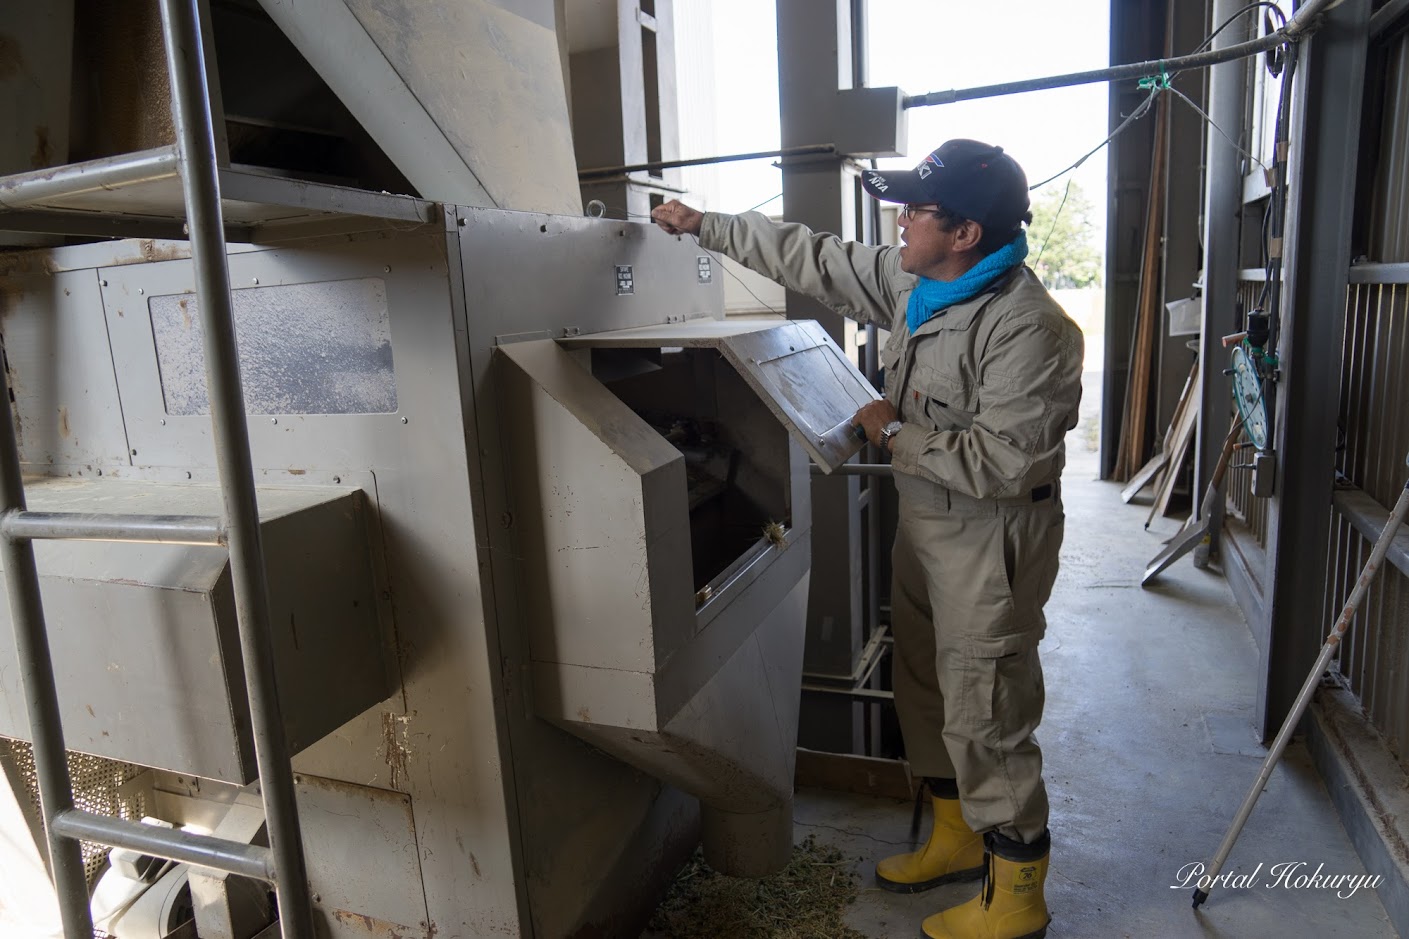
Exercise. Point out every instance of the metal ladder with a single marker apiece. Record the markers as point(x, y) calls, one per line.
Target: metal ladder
point(282, 863)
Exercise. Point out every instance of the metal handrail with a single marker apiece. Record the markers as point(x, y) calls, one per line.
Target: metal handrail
point(41, 694)
point(39, 186)
point(1302, 22)
point(195, 139)
point(221, 854)
point(95, 526)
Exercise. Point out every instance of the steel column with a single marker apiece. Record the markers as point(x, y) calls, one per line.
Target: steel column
point(814, 62)
point(1326, 115)
point(1136, 30)
point(1186, 150)
point(1223, 204)
point(200, 183)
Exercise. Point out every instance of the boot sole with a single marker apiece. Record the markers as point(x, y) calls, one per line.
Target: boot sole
point(1040, 934)
point(895, 886)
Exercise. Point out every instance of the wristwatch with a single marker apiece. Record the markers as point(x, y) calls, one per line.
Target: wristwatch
point(889, 431)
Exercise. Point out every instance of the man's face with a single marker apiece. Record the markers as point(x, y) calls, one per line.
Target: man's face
point(927, 244)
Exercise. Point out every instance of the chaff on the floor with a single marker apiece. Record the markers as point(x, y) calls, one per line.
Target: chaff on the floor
point(805, 900)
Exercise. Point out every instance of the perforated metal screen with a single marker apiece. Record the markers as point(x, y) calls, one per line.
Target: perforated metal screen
point(98, 787)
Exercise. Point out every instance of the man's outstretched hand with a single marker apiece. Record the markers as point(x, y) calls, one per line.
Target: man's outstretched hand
point(677, 218)
point(873, 417)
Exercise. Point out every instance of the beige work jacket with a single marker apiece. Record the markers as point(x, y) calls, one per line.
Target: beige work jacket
point(986, 390)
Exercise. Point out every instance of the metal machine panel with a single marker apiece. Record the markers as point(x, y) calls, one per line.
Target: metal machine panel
point(646, 487)
point(597, 506)
point(144, 640)
point(363, 299)
point(56, 342)
point(341, 821)
point(151, 192)
point(332, 358)
point(796, 368)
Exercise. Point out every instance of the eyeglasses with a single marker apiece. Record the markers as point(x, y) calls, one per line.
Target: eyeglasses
point(910, 211)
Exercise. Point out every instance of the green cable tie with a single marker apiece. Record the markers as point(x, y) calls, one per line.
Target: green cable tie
point(1156, 82)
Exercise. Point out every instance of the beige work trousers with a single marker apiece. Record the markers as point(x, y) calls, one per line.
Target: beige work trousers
point(970, 578)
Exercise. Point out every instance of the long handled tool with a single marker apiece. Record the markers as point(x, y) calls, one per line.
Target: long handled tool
point(1201, 527)
point(1338, 632)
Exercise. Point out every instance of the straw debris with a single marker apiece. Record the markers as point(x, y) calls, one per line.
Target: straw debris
point(805, 900)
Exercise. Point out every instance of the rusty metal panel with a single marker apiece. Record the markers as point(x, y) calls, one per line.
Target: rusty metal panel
point(36, 71)
point(56, 343)
point(364, 869)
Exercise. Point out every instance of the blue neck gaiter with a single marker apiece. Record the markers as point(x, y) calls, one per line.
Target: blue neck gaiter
point(932, 297)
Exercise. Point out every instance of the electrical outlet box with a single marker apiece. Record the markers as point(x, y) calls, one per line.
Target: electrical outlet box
point(1264, 473)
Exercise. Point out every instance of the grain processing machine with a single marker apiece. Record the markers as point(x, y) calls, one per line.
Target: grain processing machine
point(535, 516)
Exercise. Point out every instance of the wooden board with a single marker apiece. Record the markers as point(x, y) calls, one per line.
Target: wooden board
point(845, 772)
point(1188, 398)
point(1183, 439)
point(1144, 474)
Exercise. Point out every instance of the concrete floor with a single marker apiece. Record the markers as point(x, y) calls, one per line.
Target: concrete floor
point(1150, 750)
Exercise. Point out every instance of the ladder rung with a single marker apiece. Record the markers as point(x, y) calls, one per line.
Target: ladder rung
point(92, 526)
point(220, 854)
point(38, 186)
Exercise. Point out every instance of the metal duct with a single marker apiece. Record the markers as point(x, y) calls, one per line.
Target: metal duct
point(465, 96)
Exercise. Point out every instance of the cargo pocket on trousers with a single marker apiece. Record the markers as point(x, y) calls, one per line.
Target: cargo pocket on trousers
point(988, 657)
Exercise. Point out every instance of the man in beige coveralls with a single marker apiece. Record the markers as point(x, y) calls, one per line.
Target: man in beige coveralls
point(983, 378)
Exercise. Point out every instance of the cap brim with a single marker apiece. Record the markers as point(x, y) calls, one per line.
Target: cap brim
point(899, 186)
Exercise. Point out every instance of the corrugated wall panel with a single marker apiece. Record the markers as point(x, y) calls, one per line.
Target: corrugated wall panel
point(1374, 401)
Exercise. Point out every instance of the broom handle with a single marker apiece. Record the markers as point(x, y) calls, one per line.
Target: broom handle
point(1377, 556)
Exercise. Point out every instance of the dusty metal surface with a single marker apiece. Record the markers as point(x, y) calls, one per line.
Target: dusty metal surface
point(36, 73)
point(403, 69)
point(66, 404)
point(362, 856)
point(142, 188)
point(304, 349)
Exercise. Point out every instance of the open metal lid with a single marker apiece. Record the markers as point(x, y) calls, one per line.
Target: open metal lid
point(794, 366)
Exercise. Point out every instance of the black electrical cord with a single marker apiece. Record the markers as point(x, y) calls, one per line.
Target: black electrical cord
point(1267, 4)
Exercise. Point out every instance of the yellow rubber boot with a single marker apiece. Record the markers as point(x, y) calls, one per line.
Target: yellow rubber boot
point(953, 852)
point(1010, 905)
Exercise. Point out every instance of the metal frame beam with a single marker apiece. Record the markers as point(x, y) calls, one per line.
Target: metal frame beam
point(816, 59)
point(1222, 209)
point(1326, 115)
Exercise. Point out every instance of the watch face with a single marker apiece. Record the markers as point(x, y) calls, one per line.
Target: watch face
point(891, 429)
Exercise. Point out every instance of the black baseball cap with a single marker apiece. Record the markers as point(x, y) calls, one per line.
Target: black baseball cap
point(975, 180)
